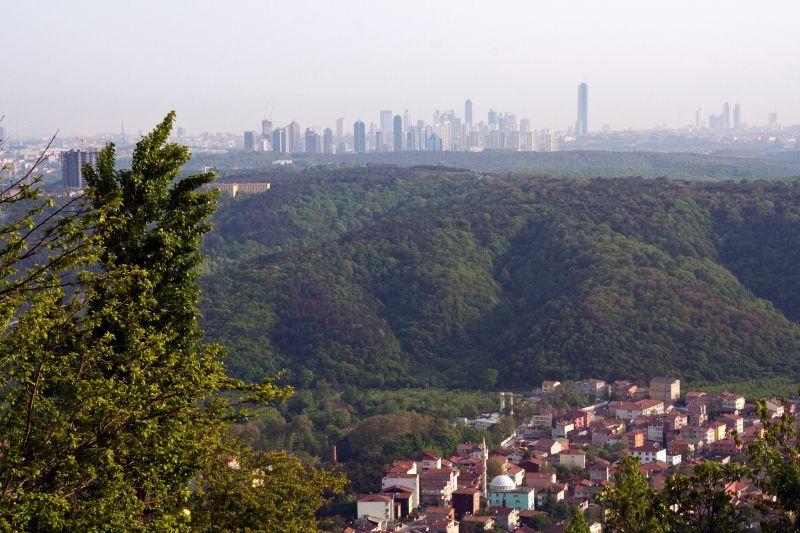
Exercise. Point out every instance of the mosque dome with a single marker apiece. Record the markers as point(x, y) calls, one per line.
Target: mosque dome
point(502, 482)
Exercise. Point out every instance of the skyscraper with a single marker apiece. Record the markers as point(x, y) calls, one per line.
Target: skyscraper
point(380, 141)
point(279, 140)
point(386, 125)
point(468, 113)
point(339, 129)
point(582, 125)
point(327, 141)
point(294, 141)
point(340, 135)
point(492, 117)
point(726, 116)
point(398, 133)
point(699, 119)
point(359, 137)
point(249, 141)
point(737, 117)
point(773, 122)
point(312, 141)
point(406, 121)
point(72, 164)
point(266, 128)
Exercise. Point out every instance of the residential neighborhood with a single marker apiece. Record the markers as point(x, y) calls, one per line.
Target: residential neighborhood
point(560, 457)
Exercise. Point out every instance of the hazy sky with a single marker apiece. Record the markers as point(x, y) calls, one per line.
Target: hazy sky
point(86, 65)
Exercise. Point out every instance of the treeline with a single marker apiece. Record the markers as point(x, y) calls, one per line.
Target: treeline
point(381, 276)
point(570, 163)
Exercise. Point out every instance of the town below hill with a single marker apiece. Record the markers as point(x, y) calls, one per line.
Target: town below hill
point(557, 463)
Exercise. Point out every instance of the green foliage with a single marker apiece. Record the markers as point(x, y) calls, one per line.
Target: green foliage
point(110, 403)
point(383, 277)
point(775, 460)
point(262, 492)
point(632, 504)
point(577, 525)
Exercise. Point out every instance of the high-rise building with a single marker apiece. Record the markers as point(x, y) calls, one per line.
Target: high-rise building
point(279, 140)
point(249, 141)
point(312, 141)
point(582, 125)
point(340, 136)
point(294, 141)
point(359, 137)
point(327, 141)
point(181, 134)
point(737, 117)
point(699, 119)
point(380, 141)
point(398, 133)
point(339, 129)
point(266, 129)
point(492, 117)
point(468, 113)
point(386, 124)
point(773, 122)
point(406, 121)
point(726, 116)
point(72, 165)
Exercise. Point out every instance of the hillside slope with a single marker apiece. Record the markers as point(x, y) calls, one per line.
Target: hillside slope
point(386, 276)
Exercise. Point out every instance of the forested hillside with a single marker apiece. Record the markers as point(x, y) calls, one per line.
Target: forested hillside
point(382, 276)
point(570, 163)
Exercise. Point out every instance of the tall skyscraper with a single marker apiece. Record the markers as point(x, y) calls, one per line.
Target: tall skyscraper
point(386, 124)
point(398, 133)
point(359, 137)
point(492, 117)
point(699, 119)
point(737, 117)
point(380, 141)
point(294, 141)
point(312, 141)
point(340, 135)
point(726, 116)
point(279, 140)
point(468, 113)
point(773, 122)
point(582, 125)
point(72, 164)
point(249, 141)
point(406, 121)
point(327, 141)
point(266, 129)
point(339, 128)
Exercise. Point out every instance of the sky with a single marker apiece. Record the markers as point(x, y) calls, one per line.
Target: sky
point(87, 66)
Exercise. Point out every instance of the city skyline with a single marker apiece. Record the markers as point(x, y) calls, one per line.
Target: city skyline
point(649, 65)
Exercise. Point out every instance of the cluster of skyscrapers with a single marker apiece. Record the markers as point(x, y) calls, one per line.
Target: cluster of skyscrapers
point(448, 131)
point(725, 120)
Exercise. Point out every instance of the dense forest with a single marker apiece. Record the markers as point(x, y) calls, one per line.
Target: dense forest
point(388, 276)
point(570, 163)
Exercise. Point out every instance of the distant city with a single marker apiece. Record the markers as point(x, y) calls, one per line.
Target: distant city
point(400, 132)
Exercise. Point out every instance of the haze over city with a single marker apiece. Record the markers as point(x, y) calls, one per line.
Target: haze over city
point(224, 67)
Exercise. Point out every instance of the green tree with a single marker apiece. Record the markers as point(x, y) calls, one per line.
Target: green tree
point(700, 501)
point(261, 492)
point(775, 461)
point(632, 505)
point(577, 525)
point(110, 403)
